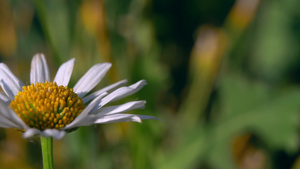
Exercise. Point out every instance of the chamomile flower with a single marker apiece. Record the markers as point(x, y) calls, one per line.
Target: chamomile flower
point(51, 109)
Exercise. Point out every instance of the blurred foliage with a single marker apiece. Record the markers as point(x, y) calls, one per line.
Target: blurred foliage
point(222, 75)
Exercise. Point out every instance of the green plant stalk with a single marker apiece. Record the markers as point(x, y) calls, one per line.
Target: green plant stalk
point(47, 152)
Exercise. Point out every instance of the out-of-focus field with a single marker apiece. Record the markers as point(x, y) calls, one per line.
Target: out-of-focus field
point(224, 77)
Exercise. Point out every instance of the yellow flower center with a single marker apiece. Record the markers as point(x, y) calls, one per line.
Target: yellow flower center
point(47, 105)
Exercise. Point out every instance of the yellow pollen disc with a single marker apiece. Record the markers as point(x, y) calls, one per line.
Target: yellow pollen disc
point(47, 105)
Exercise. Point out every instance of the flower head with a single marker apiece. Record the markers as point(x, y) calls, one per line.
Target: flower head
point(50, 109)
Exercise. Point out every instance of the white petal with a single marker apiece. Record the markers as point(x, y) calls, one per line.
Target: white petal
point(108, 111)
point(31, 132)
point(120, 108)
point(11, 84)
point(7, 89)
point(106, 89)
point(10, 115)
point(6, 123)
point(114, 118)
point(122, 92)
point(108, 119)
point(118, 118)
point(4, 97)
point(64, 72)
point(85, 112)
point(39, 69)
point(57, 134)
point(91, 79)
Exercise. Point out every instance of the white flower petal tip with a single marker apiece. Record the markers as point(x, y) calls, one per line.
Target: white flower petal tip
point(4, 97)
point(6, 88)
point(64, 73)
point(39, 69)
point(57, 134)
point(106, 89)
point(123, 118)
point(120, 108)
point(31, 132)
point(122, 92)
point(136, 119)
point(118, 118)
point(8, 118)
point(9, 82)
point(91, 78)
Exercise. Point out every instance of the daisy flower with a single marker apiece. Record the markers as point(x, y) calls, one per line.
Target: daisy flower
point(51, 109)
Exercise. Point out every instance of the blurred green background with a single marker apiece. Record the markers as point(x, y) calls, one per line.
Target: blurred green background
point(222, 75)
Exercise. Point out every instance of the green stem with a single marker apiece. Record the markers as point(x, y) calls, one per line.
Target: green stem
point(47, 152)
